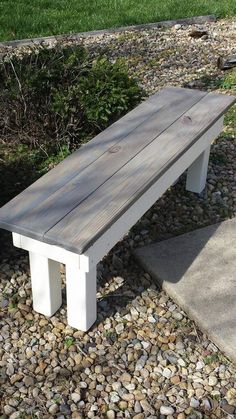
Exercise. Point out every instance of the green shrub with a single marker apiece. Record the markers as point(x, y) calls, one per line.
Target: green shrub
point(62, 96)
point(229, 80)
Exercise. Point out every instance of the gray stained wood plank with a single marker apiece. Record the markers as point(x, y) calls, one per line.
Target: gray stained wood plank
point(80, 228)
point(45, 203)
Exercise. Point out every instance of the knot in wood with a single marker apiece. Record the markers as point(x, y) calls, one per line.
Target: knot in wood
point(115, 149)
point(186, 119)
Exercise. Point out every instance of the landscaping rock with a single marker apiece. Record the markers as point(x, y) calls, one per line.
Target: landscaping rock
point(198, 33)
point(166, 410)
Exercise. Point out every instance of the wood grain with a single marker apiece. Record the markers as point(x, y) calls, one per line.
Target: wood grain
point(84, 224)
point(76, 202)
point(56, 194)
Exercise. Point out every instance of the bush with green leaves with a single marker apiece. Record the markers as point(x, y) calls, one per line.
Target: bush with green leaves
point(229, 80)
point(62, 96)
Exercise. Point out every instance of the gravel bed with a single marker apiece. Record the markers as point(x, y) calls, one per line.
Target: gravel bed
point(144, 357)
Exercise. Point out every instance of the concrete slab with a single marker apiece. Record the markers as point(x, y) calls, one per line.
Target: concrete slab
point(198, 270)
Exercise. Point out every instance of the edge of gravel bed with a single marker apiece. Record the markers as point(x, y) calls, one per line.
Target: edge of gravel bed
point(166, 23)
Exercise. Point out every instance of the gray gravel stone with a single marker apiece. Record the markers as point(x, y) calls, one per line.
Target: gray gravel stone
point(166, 410)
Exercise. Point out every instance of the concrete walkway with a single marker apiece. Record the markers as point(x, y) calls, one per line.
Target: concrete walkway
point(198, 270)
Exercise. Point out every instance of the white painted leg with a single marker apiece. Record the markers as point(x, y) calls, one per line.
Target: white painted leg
point(46, 284)
point(197, 173)
point(81, 289)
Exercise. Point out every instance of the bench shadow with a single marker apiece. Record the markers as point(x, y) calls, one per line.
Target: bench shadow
point(183, 250)
point(134, 279)
point(15, 176)
point(207, 82)
point(119, 286)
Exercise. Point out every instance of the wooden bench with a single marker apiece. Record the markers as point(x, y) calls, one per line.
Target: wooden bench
point(79, 210)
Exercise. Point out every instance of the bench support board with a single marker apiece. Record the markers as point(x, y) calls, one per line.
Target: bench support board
point(81, 269)
point(197, 172)
point(81, 289)
point(117, 231)
point(46, 284)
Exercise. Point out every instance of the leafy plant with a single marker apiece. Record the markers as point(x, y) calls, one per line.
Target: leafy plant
point(229, 80)
point(230, 118)
point(110, 335)
point(52, 101)
point(60, 97)
point(53, 159)
point(12, 306)
point(57, 399)
point(69, 342)
point(210, 359)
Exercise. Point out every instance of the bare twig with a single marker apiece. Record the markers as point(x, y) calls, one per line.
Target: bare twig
point(20, 87)
point(42, 148)
point(112, 364)
point(196, 333)
point(81, 350)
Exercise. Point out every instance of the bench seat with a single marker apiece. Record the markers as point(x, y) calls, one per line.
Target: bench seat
point(79, 210)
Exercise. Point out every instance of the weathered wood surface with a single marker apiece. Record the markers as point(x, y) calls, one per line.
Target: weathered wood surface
point(52, 197)
point(78, 200)
point(89, 220)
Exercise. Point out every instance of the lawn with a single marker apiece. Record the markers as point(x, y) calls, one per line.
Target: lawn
point(26, 18)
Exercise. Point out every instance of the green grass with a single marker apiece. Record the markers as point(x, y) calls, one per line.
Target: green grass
point(69, 342)
point(229, 83)
point(26, 18)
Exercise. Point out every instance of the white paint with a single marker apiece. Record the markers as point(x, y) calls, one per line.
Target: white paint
point(197, 172)
point(44, 249)
point(102, 246)
point(81, 296)
point(16, 238)
point(46, 284)
point(81, 269)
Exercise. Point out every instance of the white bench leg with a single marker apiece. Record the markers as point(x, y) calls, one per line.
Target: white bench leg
point(81, 289)
point(197, 172)
point(46, 284)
